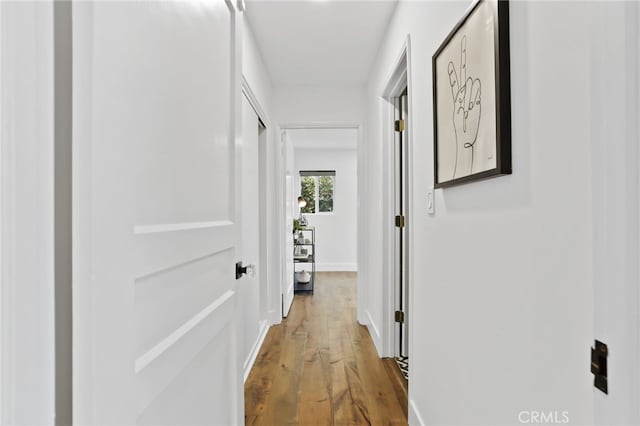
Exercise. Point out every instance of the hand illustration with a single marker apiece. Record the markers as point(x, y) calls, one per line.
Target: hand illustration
point(466, 112)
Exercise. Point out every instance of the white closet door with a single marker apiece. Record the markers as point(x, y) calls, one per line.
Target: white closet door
point(249, 285)
point(288, 290)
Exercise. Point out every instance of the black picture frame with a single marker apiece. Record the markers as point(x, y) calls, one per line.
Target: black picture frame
point(501, 104)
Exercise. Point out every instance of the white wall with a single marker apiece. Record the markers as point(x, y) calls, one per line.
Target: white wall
point(336, 232)
point(502, 300)
point(254, 70)
point(27, 213)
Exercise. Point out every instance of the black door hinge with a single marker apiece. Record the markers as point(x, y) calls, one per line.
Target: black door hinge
point(400, 317)
point(399, 125)
point(400, 221)
point(599, 366)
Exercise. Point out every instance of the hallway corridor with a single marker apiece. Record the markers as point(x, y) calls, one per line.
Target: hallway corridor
point(465, 175)
point(319, 367)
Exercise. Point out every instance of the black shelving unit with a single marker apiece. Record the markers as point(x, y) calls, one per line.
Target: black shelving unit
point(307, 259)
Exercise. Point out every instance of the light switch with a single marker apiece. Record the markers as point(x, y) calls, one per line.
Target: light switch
point(430, 202)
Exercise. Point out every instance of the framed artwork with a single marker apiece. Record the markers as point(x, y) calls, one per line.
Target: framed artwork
point(472, 97)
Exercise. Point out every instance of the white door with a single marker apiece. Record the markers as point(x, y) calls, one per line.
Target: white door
point(287, 291)
point(401, 288)
point(249, 285)
point(290, 210)
point(154, 219)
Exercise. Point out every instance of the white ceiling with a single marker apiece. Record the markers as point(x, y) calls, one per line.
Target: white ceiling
point(323, 138)
point(319, 43)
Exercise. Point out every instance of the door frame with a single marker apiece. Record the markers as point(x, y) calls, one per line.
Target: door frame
point(400, 194)
point(268, 237)
point(281, 178)
point(27, 271)
point(615, 205)
point(399, 78)
point(636, 354)
point(7, 238)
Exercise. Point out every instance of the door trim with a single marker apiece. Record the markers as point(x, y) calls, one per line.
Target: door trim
point(281, 178)
point(7, 240)
point(253, 100)
point(399, 78)
point(272, 266)
point(615, 209)
point(26, 258)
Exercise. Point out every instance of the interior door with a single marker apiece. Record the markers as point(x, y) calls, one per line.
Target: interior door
point(154, 219)
point(401, 241)
point(249, 285)
point(287, 291)
point(290, 210)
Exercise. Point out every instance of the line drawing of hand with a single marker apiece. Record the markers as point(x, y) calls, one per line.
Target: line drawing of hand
point(466, 112)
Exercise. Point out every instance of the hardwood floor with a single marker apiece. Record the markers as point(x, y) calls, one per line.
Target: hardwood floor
point(319, 367)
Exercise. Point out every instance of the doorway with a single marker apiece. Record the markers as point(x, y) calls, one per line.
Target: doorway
point(397, 214)
point(260, 298)
point(251, 247)
point(320, 164)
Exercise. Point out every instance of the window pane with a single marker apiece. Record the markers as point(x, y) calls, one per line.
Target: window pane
point(308, 192)
point(325, 193)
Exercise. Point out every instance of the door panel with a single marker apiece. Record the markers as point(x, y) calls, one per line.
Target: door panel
point(154, 244)
point(192, 387)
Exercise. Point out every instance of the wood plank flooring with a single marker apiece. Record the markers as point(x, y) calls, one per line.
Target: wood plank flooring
point(319, 366)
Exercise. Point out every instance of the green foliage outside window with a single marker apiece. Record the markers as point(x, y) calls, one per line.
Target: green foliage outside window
point(308, 192)
point(325, 193)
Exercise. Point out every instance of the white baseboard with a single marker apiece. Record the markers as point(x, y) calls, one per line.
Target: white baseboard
point(287, 302)
point(415, 419)
point(337, 267)
point(375, 333)
point(275, 316)
point(251, 359)
point(362, 318)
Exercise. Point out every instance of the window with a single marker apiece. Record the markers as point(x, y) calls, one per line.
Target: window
point(316, 187)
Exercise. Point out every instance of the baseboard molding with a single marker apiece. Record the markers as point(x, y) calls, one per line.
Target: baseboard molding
point(375, 333)
point(415, 419)
point(275, 317)
point(362, 318)
point(288, 297)
point(248, 364)
point(337, 267)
